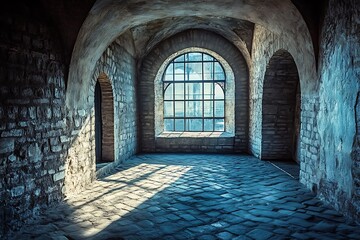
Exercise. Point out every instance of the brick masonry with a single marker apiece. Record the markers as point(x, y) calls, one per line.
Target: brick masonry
point(118, 63)
point(280, 108)
point(107, 119)
point(265, 45)
point(148, 72)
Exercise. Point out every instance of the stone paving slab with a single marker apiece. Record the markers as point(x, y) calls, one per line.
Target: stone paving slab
point(192, 196)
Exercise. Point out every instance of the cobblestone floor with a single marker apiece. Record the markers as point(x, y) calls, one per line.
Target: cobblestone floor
point(177, 196)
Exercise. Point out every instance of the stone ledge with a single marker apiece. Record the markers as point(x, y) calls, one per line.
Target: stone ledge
point(195, 135)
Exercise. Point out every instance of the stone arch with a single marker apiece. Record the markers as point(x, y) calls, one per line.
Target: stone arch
point(158, 58)
point(281, 108)
point(229, 89)
point(104, 119)
point(109, 19)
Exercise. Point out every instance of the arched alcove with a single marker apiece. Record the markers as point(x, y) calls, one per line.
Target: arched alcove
point(152, 68)
point(104, 120)
point(281, 109)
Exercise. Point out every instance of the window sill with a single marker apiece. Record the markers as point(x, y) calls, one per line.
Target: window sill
point(195, 135)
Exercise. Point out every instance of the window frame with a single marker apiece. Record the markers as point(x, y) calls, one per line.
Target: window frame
point(185, 61)
point(229, 94)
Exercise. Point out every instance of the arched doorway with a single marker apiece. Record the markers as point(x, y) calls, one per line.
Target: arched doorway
point(281, 109)
point(104, 121)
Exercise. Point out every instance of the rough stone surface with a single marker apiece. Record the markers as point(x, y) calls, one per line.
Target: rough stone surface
point(47, 150)
point(32, 96)
point(192, 196)
point(338, 178)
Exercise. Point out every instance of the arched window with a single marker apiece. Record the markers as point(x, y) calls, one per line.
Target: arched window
point(194, 94)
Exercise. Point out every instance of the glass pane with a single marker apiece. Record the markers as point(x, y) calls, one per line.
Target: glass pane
point(179, 125)
point(208, 57)
point(208, 109)
point(179, 91)
point(169, 69)
point(209, 125)
point(194, 109)
point(169, 73)
point(195, 56)
point(220, 76)
point(208, 91)
point(169, 93)
point(179, 71)
point(194, 71)
point(179, 59)
point(219, 72)
point(208, 71)
point(169, 109)
point(169, 125)
point(219, 108)
point(219, 125)
point(193, 91)
point(219, 93)
point(179, 109)
point(195, 125)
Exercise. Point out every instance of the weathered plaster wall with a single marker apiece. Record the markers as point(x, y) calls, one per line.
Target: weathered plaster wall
point(337, 174)
point(150, 67)
point(32, 117)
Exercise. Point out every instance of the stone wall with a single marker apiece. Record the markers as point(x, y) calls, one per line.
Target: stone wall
point(32, 117)
point(118, 65)
point(336, 175)
point(47, 150)
point(151, 138)
point(279, 133)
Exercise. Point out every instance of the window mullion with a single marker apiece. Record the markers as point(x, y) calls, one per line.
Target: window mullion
point(173, 120)
point(202, 93)
point(184, 109)
point(213, 95)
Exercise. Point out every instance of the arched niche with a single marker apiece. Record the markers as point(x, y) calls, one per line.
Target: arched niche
point(281, 109)
point(104, 120)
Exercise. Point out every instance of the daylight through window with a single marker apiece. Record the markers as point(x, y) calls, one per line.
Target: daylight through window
point(194, 97)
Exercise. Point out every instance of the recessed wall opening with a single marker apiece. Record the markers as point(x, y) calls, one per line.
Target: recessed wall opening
point(104, 122)
point(194, 94)
point(194, 90)
point(281, 109)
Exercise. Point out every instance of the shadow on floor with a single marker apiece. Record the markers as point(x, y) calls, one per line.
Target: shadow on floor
point(193, 196)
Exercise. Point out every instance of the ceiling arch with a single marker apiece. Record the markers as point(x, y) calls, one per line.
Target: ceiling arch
point(108, 19)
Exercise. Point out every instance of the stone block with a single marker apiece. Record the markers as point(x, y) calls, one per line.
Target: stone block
point(82, 113)
point(13, 133)
point(7, 145)
point(17, 191)
point(56, 148)
point(59, 176)
point(34, 153)
point(64, 139)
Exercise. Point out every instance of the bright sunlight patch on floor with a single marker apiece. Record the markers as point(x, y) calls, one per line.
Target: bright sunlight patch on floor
point(125, 190)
